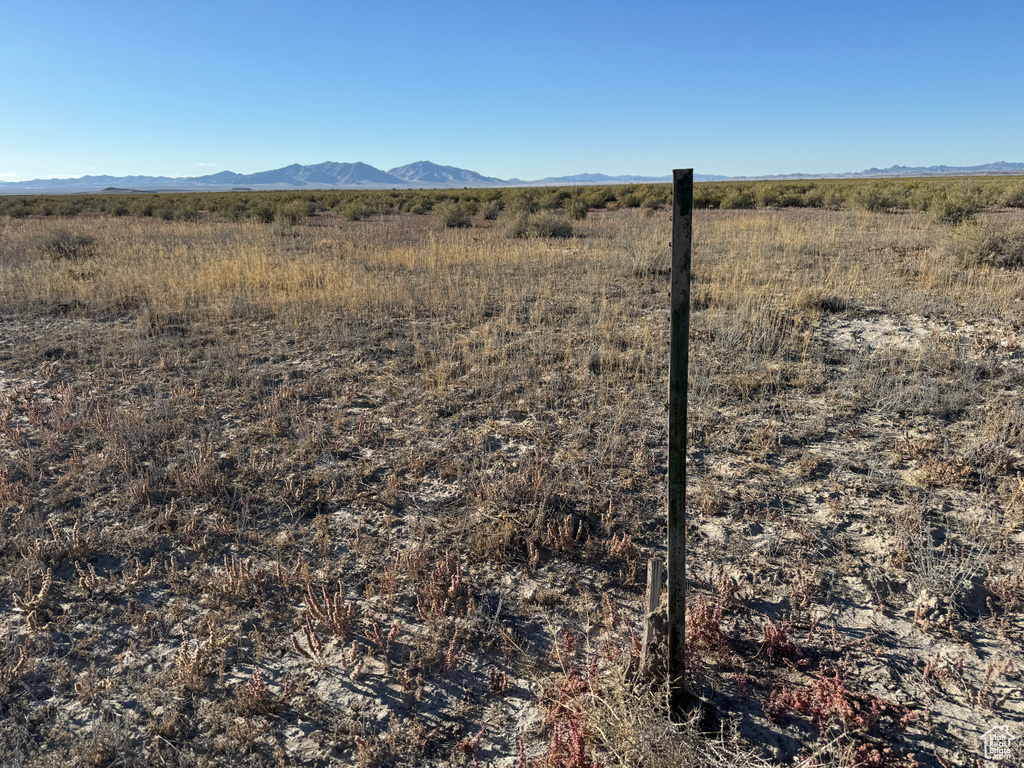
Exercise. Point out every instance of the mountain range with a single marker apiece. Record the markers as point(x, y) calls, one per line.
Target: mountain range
point(418, 175)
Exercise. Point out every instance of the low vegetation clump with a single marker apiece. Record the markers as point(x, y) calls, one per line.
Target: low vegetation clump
point(576, 208)
point(374, 491)
point(490, 209)
point(519, 223)
point(61, 243)
point(451, 214)
point(295, 212)
point(955, 206)
point(991, 243)
point(880, 197)
point(1013, 196)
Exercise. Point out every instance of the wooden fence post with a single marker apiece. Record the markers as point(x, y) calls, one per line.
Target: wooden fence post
point(679, 360)
point(655, 569)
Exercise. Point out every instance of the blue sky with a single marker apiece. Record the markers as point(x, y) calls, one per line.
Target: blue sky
point(527, 89)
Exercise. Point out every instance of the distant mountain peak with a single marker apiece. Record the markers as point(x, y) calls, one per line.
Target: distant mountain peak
point(1000, 167)
point(424, 171)
point(420, 174)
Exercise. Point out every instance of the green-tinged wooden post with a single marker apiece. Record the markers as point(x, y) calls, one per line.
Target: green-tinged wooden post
point(679, 361)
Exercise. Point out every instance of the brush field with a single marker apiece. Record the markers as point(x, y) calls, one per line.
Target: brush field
point(375, 490)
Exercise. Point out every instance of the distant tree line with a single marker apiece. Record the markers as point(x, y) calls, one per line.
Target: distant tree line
point(949, 199)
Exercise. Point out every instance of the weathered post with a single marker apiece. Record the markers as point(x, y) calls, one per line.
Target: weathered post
point(655, 569)
point(679, 360)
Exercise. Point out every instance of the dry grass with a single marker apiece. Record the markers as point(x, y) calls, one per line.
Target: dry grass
point(382, 492)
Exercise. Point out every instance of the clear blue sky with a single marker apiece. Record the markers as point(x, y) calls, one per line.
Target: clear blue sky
point(525, 89)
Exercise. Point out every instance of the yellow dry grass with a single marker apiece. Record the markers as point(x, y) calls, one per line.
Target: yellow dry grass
point(462, 434)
